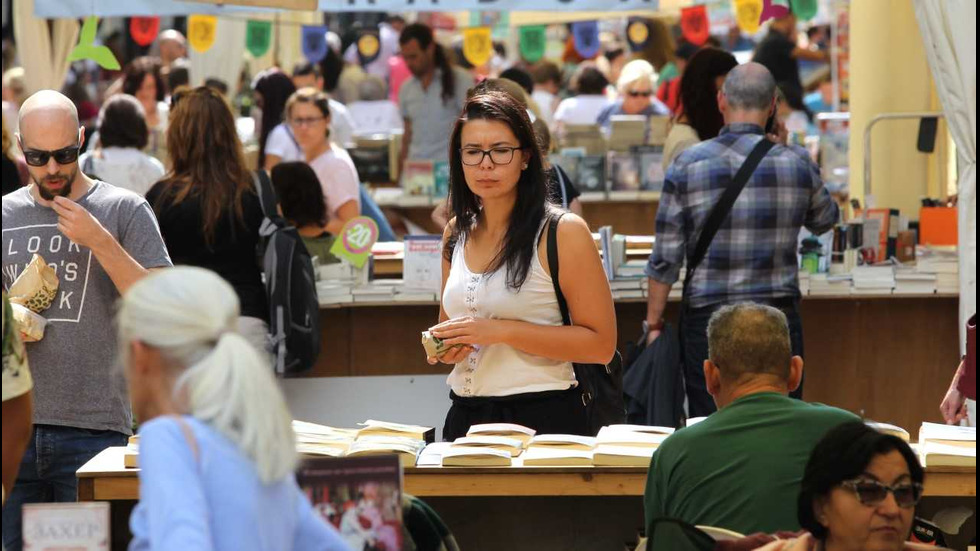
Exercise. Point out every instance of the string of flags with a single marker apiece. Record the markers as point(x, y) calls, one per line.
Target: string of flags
point(477, 41)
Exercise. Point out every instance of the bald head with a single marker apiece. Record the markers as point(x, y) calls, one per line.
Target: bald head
point(749, 87)
point(48, 112)
point(173, 46)
point(747, 340)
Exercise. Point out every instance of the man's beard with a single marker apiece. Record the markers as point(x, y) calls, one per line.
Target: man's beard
point(65, 190)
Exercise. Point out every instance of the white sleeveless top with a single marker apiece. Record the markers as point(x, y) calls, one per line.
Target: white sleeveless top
point(499, 369)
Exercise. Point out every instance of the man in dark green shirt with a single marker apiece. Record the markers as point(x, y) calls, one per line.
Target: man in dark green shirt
point(741, 467)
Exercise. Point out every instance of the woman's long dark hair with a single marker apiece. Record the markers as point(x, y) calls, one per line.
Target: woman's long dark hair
point(206, 157)
point(531, 207)
point(423, 35)
point(698, 93)
point(275, 87)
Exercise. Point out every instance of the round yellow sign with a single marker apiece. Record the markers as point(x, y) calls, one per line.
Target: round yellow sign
point(638, 32)
point(368, 45)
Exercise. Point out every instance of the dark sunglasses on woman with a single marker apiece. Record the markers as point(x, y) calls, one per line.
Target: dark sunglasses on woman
point(871, 492)
point(63, 156)
point(639, 94)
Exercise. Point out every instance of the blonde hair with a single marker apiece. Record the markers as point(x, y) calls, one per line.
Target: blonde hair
point(635, 71)
point(190, 315)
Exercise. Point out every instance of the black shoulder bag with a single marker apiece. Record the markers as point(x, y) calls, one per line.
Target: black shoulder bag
point(602, 385)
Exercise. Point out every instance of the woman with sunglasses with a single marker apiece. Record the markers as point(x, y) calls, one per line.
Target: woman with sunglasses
point(636, 87)
point(500, 320)
point(858, 493)
point(308, 115)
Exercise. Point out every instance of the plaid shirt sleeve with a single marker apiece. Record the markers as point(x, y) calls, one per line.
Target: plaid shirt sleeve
point(664, 264)
point(823, 212)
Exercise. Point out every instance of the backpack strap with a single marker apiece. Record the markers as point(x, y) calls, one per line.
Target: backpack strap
point(267, 199)
point(723, 207)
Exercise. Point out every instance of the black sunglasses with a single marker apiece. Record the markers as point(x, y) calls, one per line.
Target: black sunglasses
point(872, 492)
point(638, 94)
point(63, 156)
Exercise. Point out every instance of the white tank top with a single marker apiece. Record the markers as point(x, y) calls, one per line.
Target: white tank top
point(499, 369)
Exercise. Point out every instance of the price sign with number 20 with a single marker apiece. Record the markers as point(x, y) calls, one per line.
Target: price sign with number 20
point(356, 239)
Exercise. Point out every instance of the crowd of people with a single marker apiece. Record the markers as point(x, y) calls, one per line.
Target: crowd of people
point(166, 180)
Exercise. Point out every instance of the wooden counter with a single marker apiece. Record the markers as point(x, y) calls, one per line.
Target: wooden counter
point(105, 479)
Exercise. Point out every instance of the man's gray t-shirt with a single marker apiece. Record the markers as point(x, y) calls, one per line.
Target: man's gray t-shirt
point(432, 118)
point(77, 378)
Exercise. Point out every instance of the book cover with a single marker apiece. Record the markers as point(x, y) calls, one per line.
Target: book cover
point(592, 173)
point(360, 496)
point(624, 171)
point(651, 167)
point(419, 177)
point(66, 526)
point(471, 456)
point(441, 178)
point(422, 265)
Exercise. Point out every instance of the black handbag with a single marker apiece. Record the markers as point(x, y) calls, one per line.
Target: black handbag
point(602, 385)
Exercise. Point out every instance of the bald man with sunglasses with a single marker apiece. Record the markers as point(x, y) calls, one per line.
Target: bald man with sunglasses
point(99, 239)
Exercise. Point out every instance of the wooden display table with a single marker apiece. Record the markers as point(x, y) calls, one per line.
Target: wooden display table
point(104, 478)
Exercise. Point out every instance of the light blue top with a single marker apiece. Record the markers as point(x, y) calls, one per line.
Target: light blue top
point(215, 500)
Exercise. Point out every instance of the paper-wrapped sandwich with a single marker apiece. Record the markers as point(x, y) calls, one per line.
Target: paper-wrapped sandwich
point(434, 346)
point(32, 293)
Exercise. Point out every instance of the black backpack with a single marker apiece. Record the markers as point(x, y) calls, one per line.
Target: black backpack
point(290, 285)
point(602, 385)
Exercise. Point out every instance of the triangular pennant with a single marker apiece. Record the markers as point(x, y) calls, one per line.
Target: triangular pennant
point(694, 24)
point(637, 33)
point(368, 46)
point(747, 13)
point(144, 30)
point(805, 9)
point(258, 37)
point(314, 42)
point(532, 41)
point(87, 48)
point(201, 32)
point(585, 35)
point(477, 45)
point(773, 8)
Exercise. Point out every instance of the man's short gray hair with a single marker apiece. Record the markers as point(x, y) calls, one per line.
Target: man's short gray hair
point(371, 88)
point(749, 86)
point(749, 339)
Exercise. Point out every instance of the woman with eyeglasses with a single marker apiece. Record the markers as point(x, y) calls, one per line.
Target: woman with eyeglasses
point(501, 326)
point(308, 115)
point(207, 206)
point(637, 94)
point(858, 493)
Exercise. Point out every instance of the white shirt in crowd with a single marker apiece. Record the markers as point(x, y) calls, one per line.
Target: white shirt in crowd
point(123, 167)
point(375, 117)
point(548, 102)
point(338, 178)
point(580, 109)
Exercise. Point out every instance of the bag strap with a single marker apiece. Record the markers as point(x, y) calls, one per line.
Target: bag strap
point(267, 199)
point(561, 186)
point(723, 207)
point(553, 268)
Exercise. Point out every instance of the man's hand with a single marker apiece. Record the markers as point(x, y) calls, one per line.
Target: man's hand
point(652, 336)
point(954, 403)
point(471, 331)
point(78, 224)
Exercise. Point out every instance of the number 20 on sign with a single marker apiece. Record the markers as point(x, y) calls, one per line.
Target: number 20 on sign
point(356, 239)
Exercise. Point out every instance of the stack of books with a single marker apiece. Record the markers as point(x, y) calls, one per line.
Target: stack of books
point(943, 263)
point(873, 280)
point(334, 293)
point(909, 281)
point(559, 450)
point(320, 440)
point(626, 131)
point(627, 445)
point(947, 445)
point(830, 285)
point(888, 428)
point(488, 445)
point(375, 291)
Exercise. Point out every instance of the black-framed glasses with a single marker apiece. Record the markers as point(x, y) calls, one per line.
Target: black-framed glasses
point(305, 121)
point(63, 156)
point(639, 93)
point(473, 156)
point(872, 492)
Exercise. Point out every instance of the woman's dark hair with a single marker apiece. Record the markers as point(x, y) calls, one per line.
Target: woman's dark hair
point(207, 159)
point(275, 87)
point(136, 71)
point(178, 74)
point(843, 454)
point(122, 123)
point(531, 207)
point(300, 194)
point(591, 81)
point(423, 35)
point(698, 93)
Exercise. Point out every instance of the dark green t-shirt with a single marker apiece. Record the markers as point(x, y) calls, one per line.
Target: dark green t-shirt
point(741, 467)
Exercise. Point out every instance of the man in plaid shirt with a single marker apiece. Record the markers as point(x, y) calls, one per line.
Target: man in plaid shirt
point(753, 256)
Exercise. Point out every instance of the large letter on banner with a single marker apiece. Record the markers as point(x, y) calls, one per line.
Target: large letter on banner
point(532, 41)
point(314, 42)
point(201, 31)
point(694, 24)
point(258, 37)
point(586, 38)
point(144, 30)
point(477, 45)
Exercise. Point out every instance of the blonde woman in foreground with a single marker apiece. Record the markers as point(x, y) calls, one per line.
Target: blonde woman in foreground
point(217, 450)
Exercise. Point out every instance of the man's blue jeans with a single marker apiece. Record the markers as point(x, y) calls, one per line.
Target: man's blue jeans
point(47, 471)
